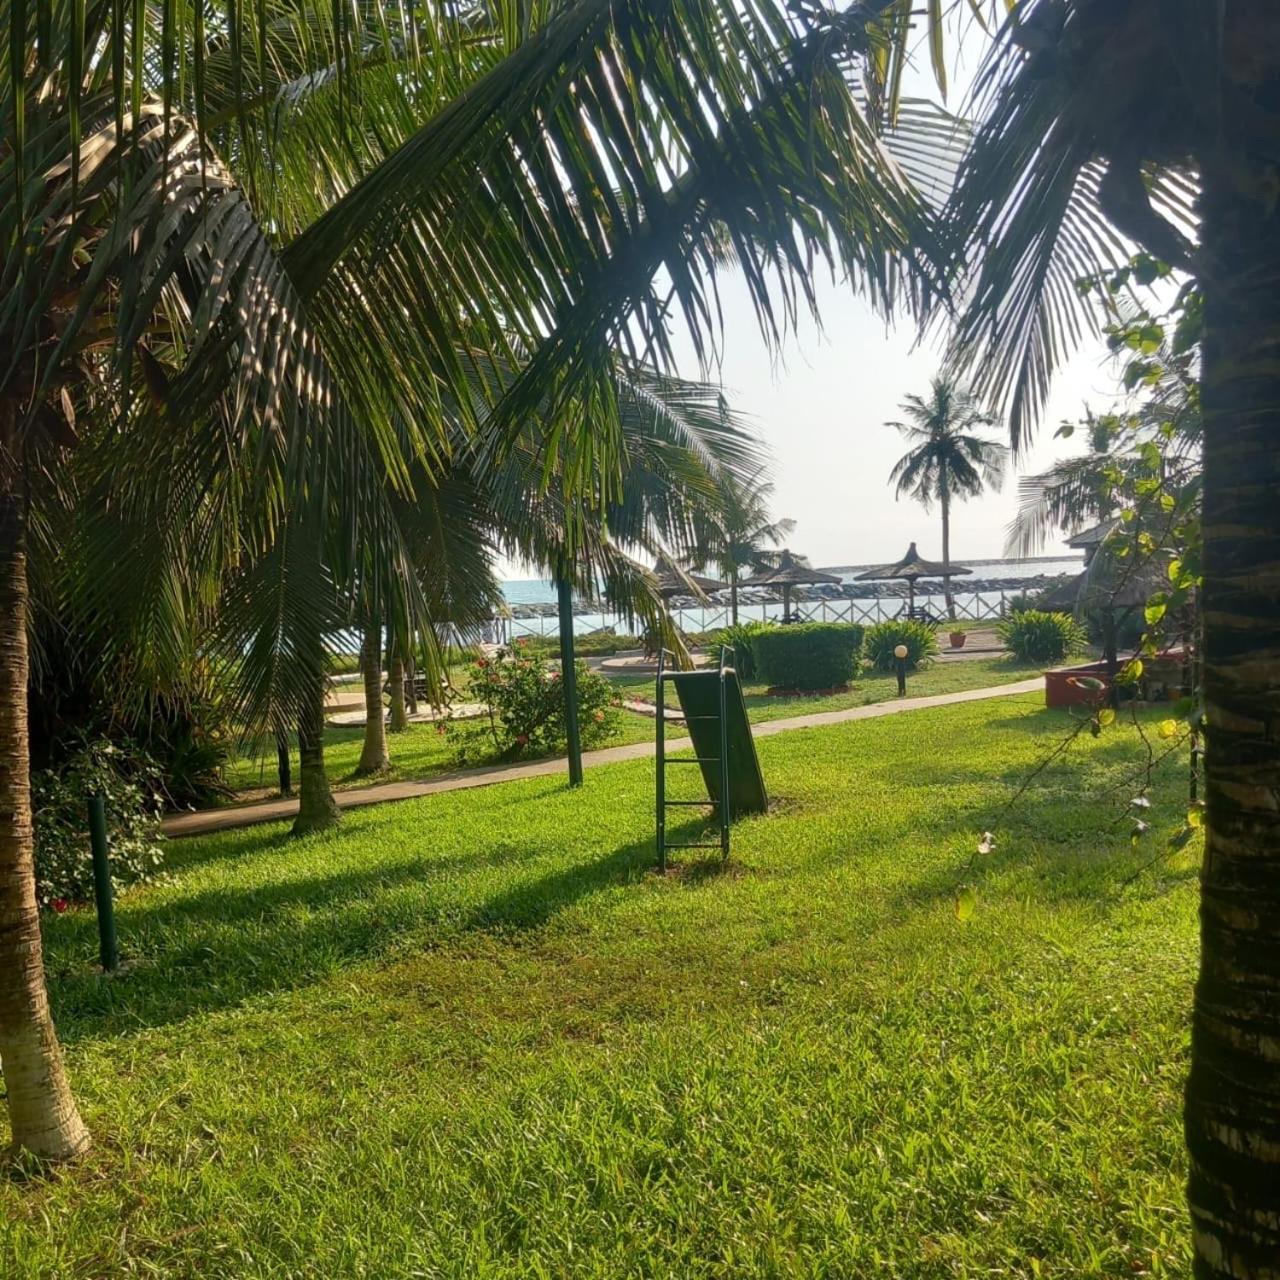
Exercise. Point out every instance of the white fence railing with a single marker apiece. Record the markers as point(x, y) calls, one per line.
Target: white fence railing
point(984, 606)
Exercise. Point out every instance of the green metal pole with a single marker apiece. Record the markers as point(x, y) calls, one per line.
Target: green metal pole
point(108, 952)
point(569, 677)
point(660, 777)
point(724, 757)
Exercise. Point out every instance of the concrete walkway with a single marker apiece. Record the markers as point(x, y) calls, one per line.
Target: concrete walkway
point(207, 820)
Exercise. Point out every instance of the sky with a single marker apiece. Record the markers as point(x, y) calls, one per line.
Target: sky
point(820, 408)
point(821, 404)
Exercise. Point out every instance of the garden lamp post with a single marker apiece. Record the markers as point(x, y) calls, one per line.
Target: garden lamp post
point(108, 950)
point(900, 662)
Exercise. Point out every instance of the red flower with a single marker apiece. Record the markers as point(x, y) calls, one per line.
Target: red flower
point(59, 905)
point(522, 739)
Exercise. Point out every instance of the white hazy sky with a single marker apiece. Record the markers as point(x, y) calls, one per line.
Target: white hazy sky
point(821, 405)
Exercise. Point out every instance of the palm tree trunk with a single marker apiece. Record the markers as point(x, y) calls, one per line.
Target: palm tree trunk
point(316, 808)
point(373, 754)
point(733, 597)
point(1233, 1092)
point(283, 770)
point(395, 690)
point(411, 681)
point(42, 1113)
point(945, 494)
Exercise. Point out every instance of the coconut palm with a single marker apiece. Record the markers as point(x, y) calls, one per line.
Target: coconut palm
point(145, 152)
point(681, 449)
point(1103, 123)
point(738, 532)
point(947, 461)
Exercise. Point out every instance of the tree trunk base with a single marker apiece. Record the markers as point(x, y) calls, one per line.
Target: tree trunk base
point(317, 809)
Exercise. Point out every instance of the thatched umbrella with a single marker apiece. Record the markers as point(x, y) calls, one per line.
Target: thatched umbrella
point(908, 569)
point(675, 581)
point(790, 571)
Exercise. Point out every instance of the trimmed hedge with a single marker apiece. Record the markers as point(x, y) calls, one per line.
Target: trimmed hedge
point(1035, 636)
point(921, 640)
point(808, 655)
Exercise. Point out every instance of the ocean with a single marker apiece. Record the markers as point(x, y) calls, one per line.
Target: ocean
point(534, 596)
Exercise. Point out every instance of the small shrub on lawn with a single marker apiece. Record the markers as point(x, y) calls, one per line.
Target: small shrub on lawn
point(881, 639)
point(1035, 636)
point(742, 636)
point(808, 655)
point(525, 702)
point(130, 783)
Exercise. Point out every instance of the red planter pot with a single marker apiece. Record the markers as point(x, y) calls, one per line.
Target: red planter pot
point(1062, 689)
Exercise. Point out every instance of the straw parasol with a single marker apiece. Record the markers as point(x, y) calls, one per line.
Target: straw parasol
point(908, 569)
point(675, 581)
point(790, 571)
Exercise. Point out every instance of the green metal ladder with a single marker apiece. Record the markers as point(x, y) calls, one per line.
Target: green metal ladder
point(716, 715)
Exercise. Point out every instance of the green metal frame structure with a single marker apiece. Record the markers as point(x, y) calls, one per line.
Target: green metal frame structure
point(713, 708)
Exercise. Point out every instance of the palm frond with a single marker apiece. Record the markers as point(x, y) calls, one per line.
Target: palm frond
point(1059, 186)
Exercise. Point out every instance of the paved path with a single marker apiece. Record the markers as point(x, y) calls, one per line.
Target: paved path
point(207, 820)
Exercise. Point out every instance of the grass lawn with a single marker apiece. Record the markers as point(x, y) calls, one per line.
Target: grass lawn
point(420, 750)
point(474, 1036)
point(870, 686)
point(416, 752)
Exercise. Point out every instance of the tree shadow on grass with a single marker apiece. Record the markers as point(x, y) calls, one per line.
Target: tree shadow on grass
point(217, 948)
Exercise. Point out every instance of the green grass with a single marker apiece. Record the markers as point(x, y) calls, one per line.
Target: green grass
point(416, 752)
point(421, 751)
point(871, 686)
point(474, 1035)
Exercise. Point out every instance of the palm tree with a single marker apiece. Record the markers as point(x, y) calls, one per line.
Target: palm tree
point(373, 751)
point(946, 461)
point(1104, 124)
point(616, 140)
point(741, 537)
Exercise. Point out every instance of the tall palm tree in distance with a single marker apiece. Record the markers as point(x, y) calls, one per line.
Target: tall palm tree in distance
point(743, 532)
point(947, 459)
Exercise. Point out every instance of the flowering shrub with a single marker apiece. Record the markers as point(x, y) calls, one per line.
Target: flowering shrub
point(130, 783)
point(526, 706)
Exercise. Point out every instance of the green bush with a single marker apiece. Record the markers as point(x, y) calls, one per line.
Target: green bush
point(742, 636)
point(526, 704)
point(921, 639)
point(130, 783)
point(1035, 636)
point(807, 655)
